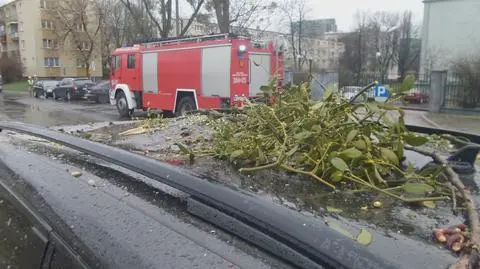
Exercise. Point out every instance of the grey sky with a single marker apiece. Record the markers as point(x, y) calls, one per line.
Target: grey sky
point(344, 10)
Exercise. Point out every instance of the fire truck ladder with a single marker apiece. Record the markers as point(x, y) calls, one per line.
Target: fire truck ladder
point(197, 39)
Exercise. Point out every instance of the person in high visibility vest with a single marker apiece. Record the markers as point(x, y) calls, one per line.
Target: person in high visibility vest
point(30, 83)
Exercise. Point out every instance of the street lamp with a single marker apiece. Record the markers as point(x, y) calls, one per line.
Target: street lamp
point(378, 56)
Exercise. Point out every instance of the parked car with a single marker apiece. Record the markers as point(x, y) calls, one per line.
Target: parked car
point(98, 92)
point(44, 87)
point(415, 96)
point(71, 88)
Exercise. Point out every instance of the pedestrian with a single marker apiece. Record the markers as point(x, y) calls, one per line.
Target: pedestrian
point(30, 83)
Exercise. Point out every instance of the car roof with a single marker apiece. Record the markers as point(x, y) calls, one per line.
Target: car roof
point(404, 245)
point(129, 229)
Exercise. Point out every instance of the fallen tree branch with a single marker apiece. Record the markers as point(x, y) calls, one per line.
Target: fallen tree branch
point(469, 260)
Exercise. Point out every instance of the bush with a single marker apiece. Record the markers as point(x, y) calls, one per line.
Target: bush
point(11, 67)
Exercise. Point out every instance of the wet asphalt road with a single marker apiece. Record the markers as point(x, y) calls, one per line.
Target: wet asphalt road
point(48, 112)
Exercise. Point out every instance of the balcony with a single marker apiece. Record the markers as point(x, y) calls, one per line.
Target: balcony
point(14, 36)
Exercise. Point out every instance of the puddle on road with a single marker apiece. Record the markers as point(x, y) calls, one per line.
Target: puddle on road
point(39, 114)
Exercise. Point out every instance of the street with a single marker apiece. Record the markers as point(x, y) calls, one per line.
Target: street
point(47, 112)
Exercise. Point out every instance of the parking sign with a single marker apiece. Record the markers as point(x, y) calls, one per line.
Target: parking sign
point(381, 91)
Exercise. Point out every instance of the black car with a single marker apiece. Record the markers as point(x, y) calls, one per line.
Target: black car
point(98, 93)
point(44, 87)
point(71, 88)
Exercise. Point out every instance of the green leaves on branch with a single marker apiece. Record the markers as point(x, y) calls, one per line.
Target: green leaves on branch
point(418, 189)
point(414, 140)
point(351, 153)
point(339, 164)
point(389, 156)
point(331, 141)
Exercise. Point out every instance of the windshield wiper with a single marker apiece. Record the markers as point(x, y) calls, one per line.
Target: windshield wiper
point(278, 230)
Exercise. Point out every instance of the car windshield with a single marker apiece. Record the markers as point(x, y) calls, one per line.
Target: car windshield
point(83, 82)
point(50, 83)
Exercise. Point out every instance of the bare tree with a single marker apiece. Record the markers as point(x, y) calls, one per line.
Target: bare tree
point(355, 61)
point(80, 23)
point(222, 13)
point(385, 33)
point(295, 12)
point(409, 47)
point(239, 15)
point(160, 14)
point(11, 67)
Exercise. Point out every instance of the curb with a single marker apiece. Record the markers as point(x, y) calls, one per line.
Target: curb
point(413, 108)
point(431, 122)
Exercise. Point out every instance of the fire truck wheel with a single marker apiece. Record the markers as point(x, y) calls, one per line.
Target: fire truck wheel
point(185, 105)
point(122, 105)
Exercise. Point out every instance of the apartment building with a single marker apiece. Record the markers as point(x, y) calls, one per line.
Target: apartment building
point(32, 31)
point(450, 32)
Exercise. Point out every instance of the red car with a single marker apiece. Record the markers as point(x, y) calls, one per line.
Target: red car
point(417, 97)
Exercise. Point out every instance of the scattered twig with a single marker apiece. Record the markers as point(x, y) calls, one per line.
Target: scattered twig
point(454, 200)
point(474, 223)
point(366, 88)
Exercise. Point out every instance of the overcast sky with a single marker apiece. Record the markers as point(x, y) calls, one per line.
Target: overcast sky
point(343, 10)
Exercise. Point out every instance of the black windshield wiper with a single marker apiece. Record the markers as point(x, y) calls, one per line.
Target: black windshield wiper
point(285, 234)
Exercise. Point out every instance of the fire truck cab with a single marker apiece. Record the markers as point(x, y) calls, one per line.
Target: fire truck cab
point(181, 74)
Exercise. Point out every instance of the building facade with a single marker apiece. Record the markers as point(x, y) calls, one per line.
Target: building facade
point(315, 28)
point(450, 31)
point(32, 31)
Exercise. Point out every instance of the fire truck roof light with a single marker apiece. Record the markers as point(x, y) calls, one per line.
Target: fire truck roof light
point(242, 48)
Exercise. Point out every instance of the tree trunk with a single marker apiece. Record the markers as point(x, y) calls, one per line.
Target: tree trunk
point(222, 11)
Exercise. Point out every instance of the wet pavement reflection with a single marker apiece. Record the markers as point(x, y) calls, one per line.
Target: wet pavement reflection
point(48, 112)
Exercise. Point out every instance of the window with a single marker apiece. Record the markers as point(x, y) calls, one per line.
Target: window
point(80, 27)
point(131, 61)
point(82, 46)
point(51, 62)
point(116, 62)
point(49, 44)
point(43, 4)
point(81, 63)
point(22, 246)
point(46, 24)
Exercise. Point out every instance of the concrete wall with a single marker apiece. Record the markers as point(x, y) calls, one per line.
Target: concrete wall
point(450, 30)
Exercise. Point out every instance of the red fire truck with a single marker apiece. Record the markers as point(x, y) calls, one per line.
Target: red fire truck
point(182, 74)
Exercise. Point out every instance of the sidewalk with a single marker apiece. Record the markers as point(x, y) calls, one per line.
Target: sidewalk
point(455, 122)
point(462, 123)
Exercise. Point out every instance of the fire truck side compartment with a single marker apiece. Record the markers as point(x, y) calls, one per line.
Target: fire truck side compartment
point(149, 72)
point(215, 72)
point(260, 64)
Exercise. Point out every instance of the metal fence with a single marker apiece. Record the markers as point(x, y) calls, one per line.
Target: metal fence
point(461, 93)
